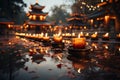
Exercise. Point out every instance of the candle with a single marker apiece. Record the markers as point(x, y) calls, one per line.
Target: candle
point(106, 35)
point(79, 42)
point(46, 37)
point(94, 35)
point(57, 38)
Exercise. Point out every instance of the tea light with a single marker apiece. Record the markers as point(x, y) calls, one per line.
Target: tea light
point(79, 42)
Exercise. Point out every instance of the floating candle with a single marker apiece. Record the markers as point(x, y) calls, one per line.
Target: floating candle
point(79, 42)
point(57, 38)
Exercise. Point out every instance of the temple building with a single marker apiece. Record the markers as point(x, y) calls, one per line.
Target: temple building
point(37, 19)
point(107, 16)
point(5, 25)
point(76, 21)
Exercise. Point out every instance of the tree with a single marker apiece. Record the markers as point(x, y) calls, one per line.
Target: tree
point(59, 13)
point(10, 8)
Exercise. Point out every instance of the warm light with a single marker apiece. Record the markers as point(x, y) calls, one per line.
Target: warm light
point(118, 35)
point(79, 70)
point(81, 34)
point(46, 37)
point(106, 35)
point(9, 25)
point(57, 38)
point(34, 17)
point(91, 20)
point(79, 42)
point(73, 34)
point(94, 45)
point(106, 19)
point(94, 35)
point(42, 17)
point(30, 17)
point(87, 35)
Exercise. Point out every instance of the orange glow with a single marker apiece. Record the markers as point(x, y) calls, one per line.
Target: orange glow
point(57, 38)
point(94, 35)
point(46, 37)
point(91, 21)
point(106, 35)
point(79, 42)
point(30, 17)
point(118, 35)
point(9, 26)
point(34, 17)
point(81, 34)
point(107, 19)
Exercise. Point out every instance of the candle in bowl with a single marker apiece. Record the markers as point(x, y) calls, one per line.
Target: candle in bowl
point(46, 37)
point(94, 36)
point(57, 38)
point(79, 43)
point(106, 36)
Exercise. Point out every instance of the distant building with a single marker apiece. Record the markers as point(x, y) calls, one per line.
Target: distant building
point(37, 19)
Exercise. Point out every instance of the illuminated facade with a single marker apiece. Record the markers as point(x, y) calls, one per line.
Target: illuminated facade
point(37, 19)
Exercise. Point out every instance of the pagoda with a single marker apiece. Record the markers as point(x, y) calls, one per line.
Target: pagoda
point(37, 19)
point(76, 21)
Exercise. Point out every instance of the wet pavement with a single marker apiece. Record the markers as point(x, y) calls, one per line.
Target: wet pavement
point(26, 59)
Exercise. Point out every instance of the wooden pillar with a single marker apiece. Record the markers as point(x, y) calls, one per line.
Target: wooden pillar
point(117, 24)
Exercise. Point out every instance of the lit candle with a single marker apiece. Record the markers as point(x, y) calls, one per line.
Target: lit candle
point(46, 37)
point(94, 35)
point(57, 38)
point(79, 42)
point(106, 36)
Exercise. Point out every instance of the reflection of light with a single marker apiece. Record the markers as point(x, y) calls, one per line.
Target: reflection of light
point(94, 45)
point(59, 57)
point(79, 70)
point(119, 49)
point(105, 46)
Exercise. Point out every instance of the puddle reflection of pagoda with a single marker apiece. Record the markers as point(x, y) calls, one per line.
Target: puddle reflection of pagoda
point(37, 19)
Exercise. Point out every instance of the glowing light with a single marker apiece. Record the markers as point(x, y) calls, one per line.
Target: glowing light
point(79, 70)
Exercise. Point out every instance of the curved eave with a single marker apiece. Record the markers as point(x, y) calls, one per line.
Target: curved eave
point(6, 22)
point(38, 23)
point(38, 14)
point(71, 19)
point(37, 6)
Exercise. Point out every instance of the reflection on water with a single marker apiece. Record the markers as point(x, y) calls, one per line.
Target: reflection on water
point(29, 60)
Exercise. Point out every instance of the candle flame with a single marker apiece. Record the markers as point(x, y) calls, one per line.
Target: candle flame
point(79, 70)
point(46, 34)
point(119, 49)
point(96, 33)
point(78, 35)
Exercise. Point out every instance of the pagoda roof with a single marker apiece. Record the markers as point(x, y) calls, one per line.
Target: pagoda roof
point(38, 23)
point(96, 14)
point(76, 23)
point(6, 21)
point(38, 13)
point(37, 6)
point(75, 16)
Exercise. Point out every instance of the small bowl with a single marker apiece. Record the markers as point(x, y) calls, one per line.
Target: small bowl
point(81, 53)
